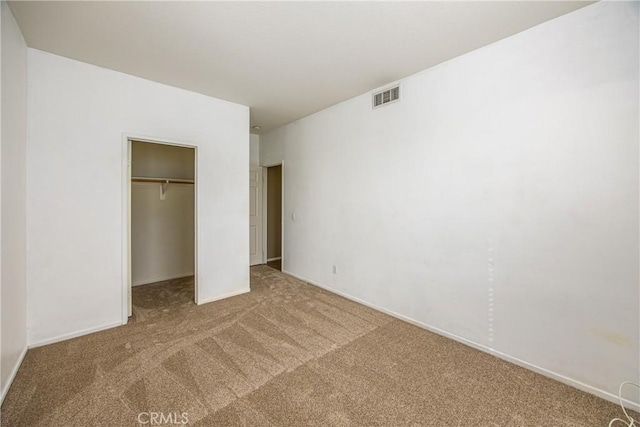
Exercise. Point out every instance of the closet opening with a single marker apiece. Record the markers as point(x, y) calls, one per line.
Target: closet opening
point(273, 188)
point(162, 229)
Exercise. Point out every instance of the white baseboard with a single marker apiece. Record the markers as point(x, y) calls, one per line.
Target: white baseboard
point(87, 331)
point(12, 376)
point(218, 298)
point(76, 334)
point(547, 373)
point(159, 279)
point(274, 259)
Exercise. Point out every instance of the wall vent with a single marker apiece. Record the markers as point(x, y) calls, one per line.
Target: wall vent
point(387, 96)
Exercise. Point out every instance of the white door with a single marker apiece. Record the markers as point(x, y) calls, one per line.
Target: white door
point(255, 215)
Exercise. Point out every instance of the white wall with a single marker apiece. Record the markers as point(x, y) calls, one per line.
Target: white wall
point(254, 150)
point(77, 116)
point(272, 146)
point(162, 231)
point(497, 201)
point(13, 155)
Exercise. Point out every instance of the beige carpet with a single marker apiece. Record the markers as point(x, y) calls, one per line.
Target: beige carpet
point(287, 354)
point(161, 299)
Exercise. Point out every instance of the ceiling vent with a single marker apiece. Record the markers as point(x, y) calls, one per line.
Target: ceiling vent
point(387, 96)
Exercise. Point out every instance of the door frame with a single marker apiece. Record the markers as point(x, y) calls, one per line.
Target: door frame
point(265, 195)
point(127, 139)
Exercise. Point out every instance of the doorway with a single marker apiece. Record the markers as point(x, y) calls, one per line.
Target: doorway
point(162, 228)
point(274, 216)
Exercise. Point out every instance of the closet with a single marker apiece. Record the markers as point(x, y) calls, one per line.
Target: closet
point(162, 228)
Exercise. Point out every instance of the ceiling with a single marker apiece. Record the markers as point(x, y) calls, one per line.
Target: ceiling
point(285, 60)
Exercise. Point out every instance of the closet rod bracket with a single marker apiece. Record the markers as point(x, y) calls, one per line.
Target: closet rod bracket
point(163, 189)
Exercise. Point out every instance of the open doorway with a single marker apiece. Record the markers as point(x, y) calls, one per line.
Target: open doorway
point(274, 217)
point(162, 229)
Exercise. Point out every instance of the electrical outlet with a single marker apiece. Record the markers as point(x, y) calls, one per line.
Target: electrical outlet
point(335, 270)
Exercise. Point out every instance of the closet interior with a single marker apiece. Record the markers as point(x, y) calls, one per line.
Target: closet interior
point(162, 229)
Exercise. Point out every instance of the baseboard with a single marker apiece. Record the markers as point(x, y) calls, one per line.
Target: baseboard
point(218, 298)
point(74, 335)
point(274, 259)
point(14, 372)
point(113, 325)
point(542, 371)
point(160, 279)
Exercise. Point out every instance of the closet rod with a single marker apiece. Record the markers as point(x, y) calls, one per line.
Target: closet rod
point(161, 180)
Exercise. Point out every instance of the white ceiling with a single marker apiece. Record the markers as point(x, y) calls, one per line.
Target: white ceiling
point(285, 60)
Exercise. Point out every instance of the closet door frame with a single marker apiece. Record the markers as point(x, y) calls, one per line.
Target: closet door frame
point(127, 139)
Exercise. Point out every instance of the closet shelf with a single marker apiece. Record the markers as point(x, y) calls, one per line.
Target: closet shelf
point(161, 180)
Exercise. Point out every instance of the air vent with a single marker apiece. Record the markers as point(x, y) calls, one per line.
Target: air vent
point(386, 96)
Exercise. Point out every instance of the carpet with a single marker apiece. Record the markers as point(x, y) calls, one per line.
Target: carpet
point(285, 354)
